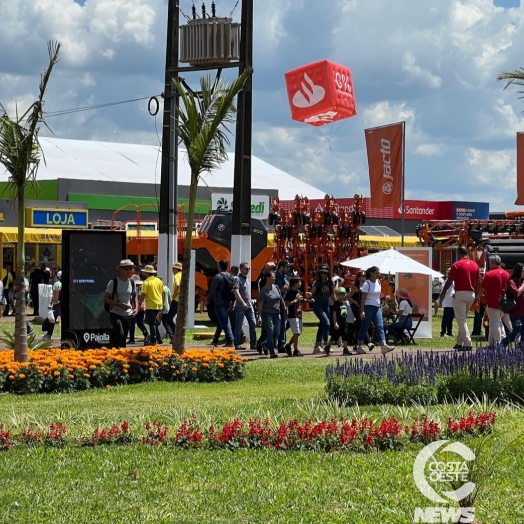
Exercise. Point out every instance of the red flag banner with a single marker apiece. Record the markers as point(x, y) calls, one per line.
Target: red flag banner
point(385, 146)
point(520, 170)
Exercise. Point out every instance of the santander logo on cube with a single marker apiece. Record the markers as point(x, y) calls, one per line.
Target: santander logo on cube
point(309, 95)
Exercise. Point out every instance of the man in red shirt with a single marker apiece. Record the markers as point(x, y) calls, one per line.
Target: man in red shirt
point(494, 285)
point(465, 275)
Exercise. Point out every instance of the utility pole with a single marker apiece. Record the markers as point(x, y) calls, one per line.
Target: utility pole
point(241, 227)
point(168, 212)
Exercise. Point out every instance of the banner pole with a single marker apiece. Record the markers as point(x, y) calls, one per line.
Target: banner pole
point(403, 177)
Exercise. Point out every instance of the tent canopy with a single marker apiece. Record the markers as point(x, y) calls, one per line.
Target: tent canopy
point(138, 163)
point(391, 261)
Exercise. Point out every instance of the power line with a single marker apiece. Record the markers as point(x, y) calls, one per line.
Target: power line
point(89, 108)
point(231, 14)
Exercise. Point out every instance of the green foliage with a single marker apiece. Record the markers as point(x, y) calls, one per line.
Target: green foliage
point(8, 338)
point(146, 485)
point(364, 391)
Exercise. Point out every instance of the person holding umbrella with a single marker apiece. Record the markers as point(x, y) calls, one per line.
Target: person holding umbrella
point(370, 311)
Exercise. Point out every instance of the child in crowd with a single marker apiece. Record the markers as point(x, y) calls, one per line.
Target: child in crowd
point(342, 318)
point(293, 304)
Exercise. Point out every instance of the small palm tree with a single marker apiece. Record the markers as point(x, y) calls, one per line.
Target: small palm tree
point(202, 127)
point(513, 77)
point(20, 154)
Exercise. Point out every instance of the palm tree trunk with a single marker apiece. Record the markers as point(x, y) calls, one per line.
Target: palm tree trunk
point(179, 344)
point(20, 319)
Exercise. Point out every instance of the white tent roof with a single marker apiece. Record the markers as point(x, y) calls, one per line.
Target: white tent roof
point(136, 163)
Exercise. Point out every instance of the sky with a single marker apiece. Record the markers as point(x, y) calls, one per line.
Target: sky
point(430, 63)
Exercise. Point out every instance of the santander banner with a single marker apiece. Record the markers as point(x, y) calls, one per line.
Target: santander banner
point(385, 150)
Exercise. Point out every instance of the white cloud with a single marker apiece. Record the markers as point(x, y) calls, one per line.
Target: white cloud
point(419, 75)
point(431, 63)
point(428, 149)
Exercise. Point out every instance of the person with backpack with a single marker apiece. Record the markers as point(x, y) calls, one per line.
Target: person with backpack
point(222, 293)
point(121, 301)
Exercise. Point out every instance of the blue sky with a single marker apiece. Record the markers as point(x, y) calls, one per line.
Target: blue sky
point(431, 63)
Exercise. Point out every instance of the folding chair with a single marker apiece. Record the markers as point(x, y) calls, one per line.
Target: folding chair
point(416, 319)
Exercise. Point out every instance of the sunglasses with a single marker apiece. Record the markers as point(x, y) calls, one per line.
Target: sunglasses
point(246, 268)
point(127, 268)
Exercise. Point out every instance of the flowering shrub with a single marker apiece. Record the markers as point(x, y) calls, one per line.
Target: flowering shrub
point(61, 371)
point(326, 435)
point(116, 434)
point(428, 377)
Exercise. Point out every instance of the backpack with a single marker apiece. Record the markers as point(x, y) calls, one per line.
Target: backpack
point(226, 287)
point(107, 307)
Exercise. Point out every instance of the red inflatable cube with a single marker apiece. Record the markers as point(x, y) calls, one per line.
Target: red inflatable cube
point(320, 93)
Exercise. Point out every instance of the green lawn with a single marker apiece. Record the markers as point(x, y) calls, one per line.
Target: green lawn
point(141, 484)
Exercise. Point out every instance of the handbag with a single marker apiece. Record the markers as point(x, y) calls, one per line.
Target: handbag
point(507, 303)
point(51, 316)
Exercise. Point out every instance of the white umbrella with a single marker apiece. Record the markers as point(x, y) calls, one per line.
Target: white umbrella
point(391, 261)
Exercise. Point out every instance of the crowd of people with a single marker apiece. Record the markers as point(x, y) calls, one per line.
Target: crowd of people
point(495, 295)
point(351, 318)
point(344, 317)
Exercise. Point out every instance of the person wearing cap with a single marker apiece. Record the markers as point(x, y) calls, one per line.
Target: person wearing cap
point(121, 298)
point(169, 320)
point(321, 291)
point(138, 319)
point(404, 309)
point(153, 294)
point(283, 284)
point(342, 317)
point(54, 304)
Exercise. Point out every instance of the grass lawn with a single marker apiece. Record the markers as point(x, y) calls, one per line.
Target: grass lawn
point(142, 484)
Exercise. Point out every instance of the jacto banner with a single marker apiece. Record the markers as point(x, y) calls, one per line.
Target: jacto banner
point(520, 170)
point(385, 146)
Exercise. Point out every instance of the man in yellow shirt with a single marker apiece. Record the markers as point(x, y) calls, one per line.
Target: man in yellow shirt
point(175, 294)
point(153, 294)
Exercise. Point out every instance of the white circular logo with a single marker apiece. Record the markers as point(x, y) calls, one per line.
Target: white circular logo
point(221, 227)
point(387, 188)
point(429, 468)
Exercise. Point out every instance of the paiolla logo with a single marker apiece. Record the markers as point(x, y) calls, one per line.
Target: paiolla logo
point(309, 95)
point(96, 337)
point(430, 470)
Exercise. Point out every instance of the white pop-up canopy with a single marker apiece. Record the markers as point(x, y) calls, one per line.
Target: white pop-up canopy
point(391, 261)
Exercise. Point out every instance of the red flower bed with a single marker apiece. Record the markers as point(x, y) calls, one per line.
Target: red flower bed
point(326, 435)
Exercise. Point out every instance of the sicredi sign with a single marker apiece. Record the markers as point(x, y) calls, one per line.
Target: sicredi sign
point(224, 202)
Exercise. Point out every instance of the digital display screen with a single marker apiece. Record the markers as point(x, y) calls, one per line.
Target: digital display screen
point(92, 258)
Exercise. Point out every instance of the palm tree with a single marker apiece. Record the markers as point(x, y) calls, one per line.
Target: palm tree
point(513, 77)
point(202, 127)
point(20, 154)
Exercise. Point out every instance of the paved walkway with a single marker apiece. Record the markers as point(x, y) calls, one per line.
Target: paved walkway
point(307, 352)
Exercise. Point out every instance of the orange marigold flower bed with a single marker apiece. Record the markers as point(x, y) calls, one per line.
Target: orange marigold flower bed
point(57, 370)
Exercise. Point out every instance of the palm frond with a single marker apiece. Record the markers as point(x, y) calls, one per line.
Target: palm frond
point(203, 120)
point(513, 77)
